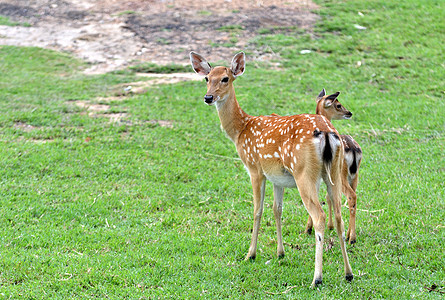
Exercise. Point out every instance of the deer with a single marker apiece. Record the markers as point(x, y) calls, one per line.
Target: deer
point(297, 151)
point(332, 109)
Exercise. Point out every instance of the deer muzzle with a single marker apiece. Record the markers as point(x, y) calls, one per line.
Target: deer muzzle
point(208, 99)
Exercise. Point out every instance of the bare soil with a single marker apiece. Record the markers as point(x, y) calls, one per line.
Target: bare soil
point(113, 34)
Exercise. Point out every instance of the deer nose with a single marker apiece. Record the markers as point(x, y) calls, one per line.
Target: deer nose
point(208, 99)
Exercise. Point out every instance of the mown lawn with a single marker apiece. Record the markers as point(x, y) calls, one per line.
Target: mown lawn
point(136, 209)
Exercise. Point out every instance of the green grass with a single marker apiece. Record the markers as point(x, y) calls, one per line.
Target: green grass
point(93, 209)
point(205, 13)
point(231, 28)
point(6, 21)
point(127, 12)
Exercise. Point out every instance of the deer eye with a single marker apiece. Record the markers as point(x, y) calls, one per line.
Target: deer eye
point(338, 106)
point(207, 79)
point(225, 79)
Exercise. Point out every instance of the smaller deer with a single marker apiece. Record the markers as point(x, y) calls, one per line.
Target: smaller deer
point(332, 109)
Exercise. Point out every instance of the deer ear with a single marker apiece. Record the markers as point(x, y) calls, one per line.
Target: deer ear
point(328, 103)
point(238, 64)
point(333, 96)
point(199, 64)
point(321, 95)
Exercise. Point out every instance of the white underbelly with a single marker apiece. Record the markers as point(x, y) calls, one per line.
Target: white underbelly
point(284, 179)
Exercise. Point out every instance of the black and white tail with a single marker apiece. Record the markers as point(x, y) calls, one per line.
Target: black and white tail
point(353, 155)
point(329, 145)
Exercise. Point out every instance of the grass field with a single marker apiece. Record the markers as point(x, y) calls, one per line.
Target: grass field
point(136, 209)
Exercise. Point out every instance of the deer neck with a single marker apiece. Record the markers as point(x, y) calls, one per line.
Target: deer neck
point(320, 111)
point(233, 118)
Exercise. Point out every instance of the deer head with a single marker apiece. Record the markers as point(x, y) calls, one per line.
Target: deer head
point(219, 79)
point(330, 107)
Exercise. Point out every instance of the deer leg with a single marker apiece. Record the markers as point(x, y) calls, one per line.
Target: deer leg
point(352, 203)
point(335, 195)
point(330, 222)
point(309, 195)
point(354, 182)
point(309, 225)
point(278, 193)
point(258, 185)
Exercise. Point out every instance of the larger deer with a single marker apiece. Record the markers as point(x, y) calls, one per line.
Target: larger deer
point(292, 151)
point(331, 108)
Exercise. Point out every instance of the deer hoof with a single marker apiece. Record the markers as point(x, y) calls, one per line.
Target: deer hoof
point(250, 257)
point(317, 282)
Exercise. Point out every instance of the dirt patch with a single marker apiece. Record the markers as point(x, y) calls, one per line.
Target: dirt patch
point(99, 110)
point(115, 117)
point(112, 34)
point(162, 123)
point(91, 107)
point(102, 110)
point(24, 127)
